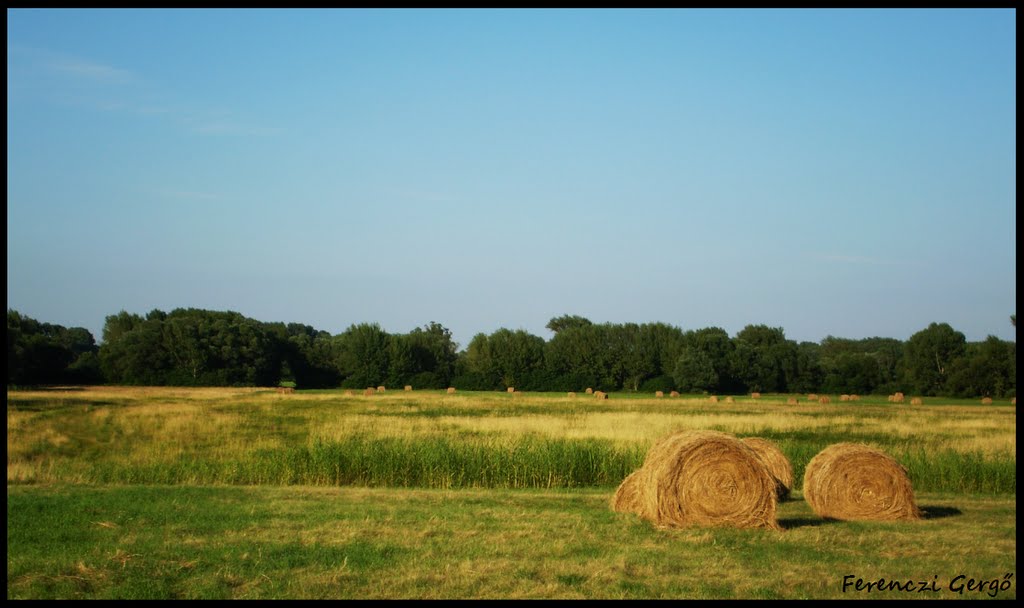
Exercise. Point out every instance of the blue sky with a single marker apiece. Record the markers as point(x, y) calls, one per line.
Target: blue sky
point(831, 172)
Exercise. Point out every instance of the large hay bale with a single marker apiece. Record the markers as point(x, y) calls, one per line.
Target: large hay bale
point(706, 478)
point(627, 496)
point(852, 481)
point(777, 463)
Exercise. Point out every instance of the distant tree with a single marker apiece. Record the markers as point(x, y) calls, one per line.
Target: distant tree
point(987, 369)
point(762, 358)
point(929, 355)
point(363, 355)
point(557, 324)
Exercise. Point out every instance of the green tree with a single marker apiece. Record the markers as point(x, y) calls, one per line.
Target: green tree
point(929, 355)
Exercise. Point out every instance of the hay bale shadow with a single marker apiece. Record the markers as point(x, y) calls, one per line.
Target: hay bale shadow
point(937, 512)
point(792, 523)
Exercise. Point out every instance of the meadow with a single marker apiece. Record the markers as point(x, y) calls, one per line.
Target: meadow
point(118, 492)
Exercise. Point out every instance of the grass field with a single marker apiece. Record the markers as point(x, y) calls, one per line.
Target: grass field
point(244, 493)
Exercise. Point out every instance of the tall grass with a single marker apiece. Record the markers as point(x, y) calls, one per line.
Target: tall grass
point(462, 441)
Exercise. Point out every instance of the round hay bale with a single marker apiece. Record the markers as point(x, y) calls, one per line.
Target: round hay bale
point(408, 387)
point(852, 481)
point(824, 399)
point(713, 399)
point(627, 496)
point(986, 401)
point(590, 391)
point(674, 394)
point(348, 393)
point(791, 401)
point(777, 463)
point(916, 401)
point(897, 398)
point(844, 397)
point(381, 389)
point(812, 397)
point(601, 395)
point(755, 395)
point(572, 394)
point(1013, 401)
point(729, 400)
point(706, 478)
point(510, 389)
point(854, 397)
point(451, 390)
point(659, 394)
point(368, 392)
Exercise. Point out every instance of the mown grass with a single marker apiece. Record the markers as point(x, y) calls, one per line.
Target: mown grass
point(300, 542)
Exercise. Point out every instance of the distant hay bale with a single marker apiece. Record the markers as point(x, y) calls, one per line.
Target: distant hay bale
point(627, 496)
point(892, 398)
point(408, 387)
point(777, 463)
point(369, 391)
point(791, 401)
point(713, 399)
point(812, 397)
point(590, 391)
point(755, 395)
point(659, 394)
point(854, 397)
point(674, 394)
point(916, 401)
point(706, 478)
point(600, 395)
point(729, 400)
point(852, 481)
point(897, 398)
point(844, 397)
point(451, 390)
point(381, 389)
point(572, 394)
point(348, 393)
point(824, 399)
point(510, 390)
point(986, 401)
point(1013, 401)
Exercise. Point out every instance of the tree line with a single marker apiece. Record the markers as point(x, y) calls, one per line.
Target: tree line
point(196, 347)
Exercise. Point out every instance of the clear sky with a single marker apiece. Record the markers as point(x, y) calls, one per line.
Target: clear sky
point(831, 172)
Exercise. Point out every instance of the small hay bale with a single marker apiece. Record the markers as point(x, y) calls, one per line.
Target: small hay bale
point(369, 391)
point(381, 389)
point(408, 387)
point(897, 398)
point(348, 393)
point(852, 481)
point(916, 401)
point(844, 397)
point(627, 496)
point(812, 397)
point(510, 390)
point(824, 399)
point(572, 394)
point(791, 401)
point(590, 391)
point(854, 397)
point(706, 478)
point(674, 394)
point(601, 395)
point(1013, 401)
point(892, 398)
point(713, 399)
point(451, 390)
point(755, 395)
point(777, 463)
point(659, 394)
point(986, 401)
point(729, 400)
